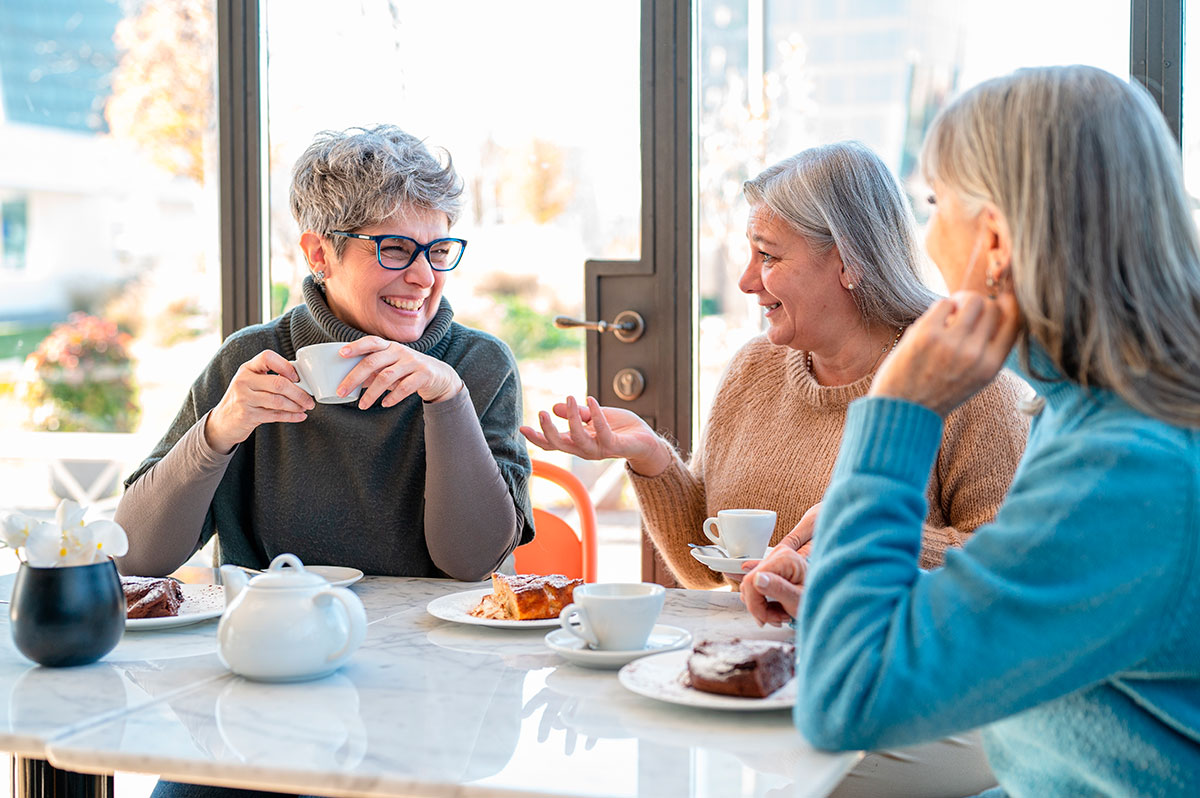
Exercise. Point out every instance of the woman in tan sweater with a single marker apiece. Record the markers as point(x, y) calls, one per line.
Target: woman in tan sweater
point(835, 265)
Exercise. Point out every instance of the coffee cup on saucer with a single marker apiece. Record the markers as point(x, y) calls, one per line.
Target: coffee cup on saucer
point(742, 533)
point(613, 616)
point(322, 370)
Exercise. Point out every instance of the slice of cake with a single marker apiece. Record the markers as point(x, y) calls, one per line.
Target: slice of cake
point(745, 668)
point(151, 597)
point(526, 597)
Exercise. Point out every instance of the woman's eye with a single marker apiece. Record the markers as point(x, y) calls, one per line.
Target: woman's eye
point(931, 199)
point(766, 256)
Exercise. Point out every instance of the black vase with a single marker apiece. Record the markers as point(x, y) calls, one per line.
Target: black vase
point(67, 616)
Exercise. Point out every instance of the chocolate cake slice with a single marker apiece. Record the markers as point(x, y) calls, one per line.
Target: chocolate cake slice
point(151, 597)
point(745, 668)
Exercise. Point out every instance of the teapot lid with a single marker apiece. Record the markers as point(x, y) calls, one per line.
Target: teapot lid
point(287, 572)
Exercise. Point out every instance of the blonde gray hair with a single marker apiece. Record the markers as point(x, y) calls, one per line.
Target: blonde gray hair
point(358, 177)
point(842, 195)
point(1105, 257)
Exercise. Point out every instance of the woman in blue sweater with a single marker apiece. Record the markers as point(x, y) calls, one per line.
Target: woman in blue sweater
point(1069, 627)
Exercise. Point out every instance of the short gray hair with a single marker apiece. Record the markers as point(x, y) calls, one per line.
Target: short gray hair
point(1105, 261)
point(358, 177)
point(842, 195)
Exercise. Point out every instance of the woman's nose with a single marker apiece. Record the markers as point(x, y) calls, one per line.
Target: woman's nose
point(750, 281)
point(420, 272)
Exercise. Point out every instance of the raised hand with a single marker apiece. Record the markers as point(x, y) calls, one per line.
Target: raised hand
point(263, 391)
point(398, 371)
point(598, 433)
point(951, 352)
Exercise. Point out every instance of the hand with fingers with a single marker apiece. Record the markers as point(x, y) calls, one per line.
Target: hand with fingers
point(951, 352)
point(398, 371)
point(798, 540)
point(772, 591)
point(599, 433)
point(263, 391)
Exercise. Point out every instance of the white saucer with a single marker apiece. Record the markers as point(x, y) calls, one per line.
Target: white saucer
point(710, 556)
point(573, 649)
point(336, 575)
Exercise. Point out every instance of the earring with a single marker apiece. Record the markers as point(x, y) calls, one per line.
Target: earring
point(319, 279)
point(990, 281)
point(849, 286)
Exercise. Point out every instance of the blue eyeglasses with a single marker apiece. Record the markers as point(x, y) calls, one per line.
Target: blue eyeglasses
point(399, 252)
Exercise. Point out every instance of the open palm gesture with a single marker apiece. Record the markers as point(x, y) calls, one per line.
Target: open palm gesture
point(598, 433)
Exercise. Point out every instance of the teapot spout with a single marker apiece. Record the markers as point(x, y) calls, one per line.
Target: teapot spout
point(234, 579)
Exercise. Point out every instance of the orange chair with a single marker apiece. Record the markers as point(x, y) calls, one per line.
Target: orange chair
point(556, 549)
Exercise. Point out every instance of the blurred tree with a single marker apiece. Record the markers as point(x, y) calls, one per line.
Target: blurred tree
point(545, 187)
point(162, 95)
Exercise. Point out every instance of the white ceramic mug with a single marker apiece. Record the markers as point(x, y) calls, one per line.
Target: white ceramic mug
point(614, 616)
point(322, 370)
point(742, 533)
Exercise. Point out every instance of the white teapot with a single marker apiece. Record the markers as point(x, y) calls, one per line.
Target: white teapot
point(286, 624)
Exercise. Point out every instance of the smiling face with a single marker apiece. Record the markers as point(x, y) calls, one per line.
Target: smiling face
point(802, 293)
point(396, 305)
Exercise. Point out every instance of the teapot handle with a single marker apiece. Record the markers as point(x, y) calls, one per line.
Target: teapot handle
point(355, 615)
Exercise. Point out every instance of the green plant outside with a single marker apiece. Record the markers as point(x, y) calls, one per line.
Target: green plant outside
point(84, 379)
point(18, 341)
point(530, 334)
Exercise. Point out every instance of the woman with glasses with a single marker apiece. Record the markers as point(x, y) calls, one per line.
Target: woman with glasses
point(425, 474)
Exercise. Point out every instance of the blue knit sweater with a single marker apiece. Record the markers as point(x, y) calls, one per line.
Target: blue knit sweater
point(1069, 627)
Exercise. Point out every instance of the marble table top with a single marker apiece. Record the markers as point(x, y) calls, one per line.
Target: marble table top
point(425, 708)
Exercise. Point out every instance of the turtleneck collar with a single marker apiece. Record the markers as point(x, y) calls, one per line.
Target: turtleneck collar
point(1042, 374)
point(320, 324)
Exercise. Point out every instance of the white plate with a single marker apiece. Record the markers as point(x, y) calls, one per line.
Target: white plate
point(336, 575)
point(574, 649)
point(720, 563)
point(200, 603)
point(457, 606)
point(659, 676)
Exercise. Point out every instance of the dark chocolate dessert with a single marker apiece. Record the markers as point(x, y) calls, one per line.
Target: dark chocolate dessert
point(746, 668)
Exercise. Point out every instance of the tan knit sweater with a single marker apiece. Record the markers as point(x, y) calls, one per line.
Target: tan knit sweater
point(771, 442)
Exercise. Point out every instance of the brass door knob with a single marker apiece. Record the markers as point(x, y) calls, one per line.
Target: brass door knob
point(628, 384)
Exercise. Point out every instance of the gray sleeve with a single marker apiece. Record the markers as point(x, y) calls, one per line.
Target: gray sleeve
point(471, 523)
point(163, 511)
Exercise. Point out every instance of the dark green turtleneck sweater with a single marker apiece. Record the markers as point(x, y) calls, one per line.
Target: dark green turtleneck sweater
point(412, 490)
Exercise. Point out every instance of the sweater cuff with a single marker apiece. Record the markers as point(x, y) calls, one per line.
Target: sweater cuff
point(889, 437)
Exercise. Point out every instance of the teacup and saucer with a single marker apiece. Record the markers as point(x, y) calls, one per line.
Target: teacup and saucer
point(609, 625)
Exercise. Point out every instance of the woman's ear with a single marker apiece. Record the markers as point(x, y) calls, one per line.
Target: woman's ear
point(319, 259)
point(998, 255)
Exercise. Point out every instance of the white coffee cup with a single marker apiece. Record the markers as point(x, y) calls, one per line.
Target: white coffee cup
point(322, 370)
point(742, 533)
point(614, 616)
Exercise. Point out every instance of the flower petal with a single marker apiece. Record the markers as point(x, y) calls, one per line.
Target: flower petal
point(69, 514)
point(108, 540)
point(45, 547)
point(15, 529)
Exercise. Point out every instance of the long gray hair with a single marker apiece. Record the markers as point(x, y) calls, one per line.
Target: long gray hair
point(842, 195)
point(359, 177)
point(1105, 261)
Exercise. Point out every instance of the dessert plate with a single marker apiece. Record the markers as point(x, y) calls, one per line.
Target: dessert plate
point(714, 558)
point(200, 603)
point(336, 575)
point(660, 676)
point(457, 607)
point(573, 649)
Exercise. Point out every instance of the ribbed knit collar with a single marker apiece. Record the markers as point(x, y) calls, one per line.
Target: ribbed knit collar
point(320, 325)
point(829, 396)
point(1042, 375)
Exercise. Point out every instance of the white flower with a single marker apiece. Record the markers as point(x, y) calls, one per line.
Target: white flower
point(65, 541)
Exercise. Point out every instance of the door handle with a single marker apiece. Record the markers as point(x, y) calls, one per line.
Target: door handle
point(628, 326)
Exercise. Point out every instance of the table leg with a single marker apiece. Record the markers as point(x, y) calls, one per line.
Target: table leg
point(37, 778)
